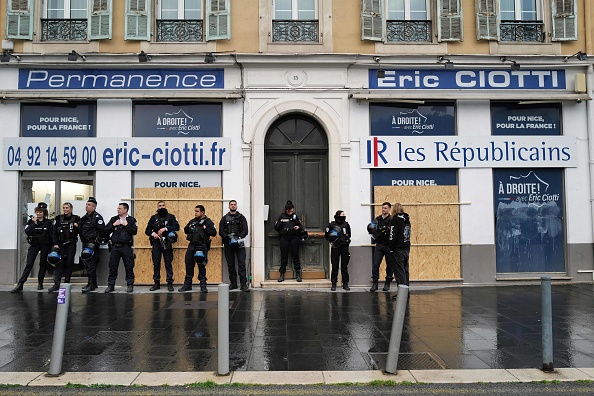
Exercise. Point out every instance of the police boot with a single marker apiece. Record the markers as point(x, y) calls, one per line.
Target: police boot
point(169, 286)
point(156, 286)
point(299, 279)
point(40, 285)
point(333, 288)
point(18, 288)
point(345, 286)
point(245, 288)
point(54, 288)
point(387, 284)
point(281, 277)
point(373, 286)
point(203, 289)
point(92, 285)
point(233, 285)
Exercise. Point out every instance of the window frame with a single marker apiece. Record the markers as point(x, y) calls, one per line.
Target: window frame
point(180, 9)
point(295, 11)
point(428, 9)
point(518, 11)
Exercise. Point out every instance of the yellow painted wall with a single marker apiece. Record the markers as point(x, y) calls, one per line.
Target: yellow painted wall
point(346, 28)
point(245, 17)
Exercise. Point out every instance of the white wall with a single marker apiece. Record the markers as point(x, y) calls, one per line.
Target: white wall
point(10, 116)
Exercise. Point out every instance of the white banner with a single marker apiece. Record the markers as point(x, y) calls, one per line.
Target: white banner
point(48, 154)
point(468, 152)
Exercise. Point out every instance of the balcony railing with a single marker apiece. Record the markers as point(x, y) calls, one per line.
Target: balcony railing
point(522, 31)
point(176, 30)
point(412, 31)
point(295, 31)
point(63, 29)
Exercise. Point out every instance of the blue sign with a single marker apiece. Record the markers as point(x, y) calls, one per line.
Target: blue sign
point(430, 119)
point(62, 295)
point(529, 229)
point(515, 119)
point(152, 79)
point(165, 120)
point(470, 79)
point(68, 120)
point(414, 177)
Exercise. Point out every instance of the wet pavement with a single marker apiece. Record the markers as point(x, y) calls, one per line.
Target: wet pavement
point(445, 328)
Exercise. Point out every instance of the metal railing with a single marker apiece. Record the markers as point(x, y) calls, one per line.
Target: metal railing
point(412, 31)
point(532, 31)
point(295, 31)
point(63, 30)
point(176, 30)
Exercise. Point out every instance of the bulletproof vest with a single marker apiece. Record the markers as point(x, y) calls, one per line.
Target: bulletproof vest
point(199, 237)
point(160, 222)
point(289, 223)
point(342, 227)
point(40, 235)
point(65, 229)
point(383, 227)
point(232, 224)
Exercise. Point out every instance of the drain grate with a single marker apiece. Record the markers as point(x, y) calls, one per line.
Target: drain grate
point(407, 361)
point(117, 336)
point(193, 305)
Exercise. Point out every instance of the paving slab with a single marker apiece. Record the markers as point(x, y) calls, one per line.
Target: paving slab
point(588, 371)
point(179, 378)
point(462, 376)
point(560, 374)
point(18, 378)
point(341, 377)
point(278, 377)
point(87, 378)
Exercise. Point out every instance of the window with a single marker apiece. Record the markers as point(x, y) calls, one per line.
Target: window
point(523, 20)
point(411, 20)
point(295, 21)
point(178, 20)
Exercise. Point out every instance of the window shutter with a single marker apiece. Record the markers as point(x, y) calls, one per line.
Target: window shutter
point(19, 19)
point(218, 20)
point(449, 23)
point(100, 19)
point(372, 20)
point(487, 20)
point(564, 20)
point(138, 18)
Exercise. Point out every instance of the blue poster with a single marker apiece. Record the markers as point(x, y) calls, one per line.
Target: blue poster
point(58, 120)
point(429, 119)
point(525, 120)
point(414, 177)
point(529, 228)
point(167, 120)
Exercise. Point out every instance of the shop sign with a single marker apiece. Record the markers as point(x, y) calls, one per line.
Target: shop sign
point(197, 120)
point(46, 154)
point(514, 119)
point(468, 152)
point(42, 120)
point(413, 177)
point(469, 79)
point(430, 119)
point(529, 220)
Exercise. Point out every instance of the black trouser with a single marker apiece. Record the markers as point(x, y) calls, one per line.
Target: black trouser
point(289, 243)
point(230, 254)
point(167, 257)
point(190, 263)
point(126, 253)
point(400, 264)
point(31, 255)
point(380, 251)
point(340, 253)
point(68, 253)
point(92, 263)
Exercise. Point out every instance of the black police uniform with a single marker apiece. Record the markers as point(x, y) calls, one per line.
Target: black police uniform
point(234, 224)
point(199, 238)
point(162, 247)
point(41, 238)
point(339, 251)
point(289, 240)
point(382, 249)
point(91, 228)
point(400, 230)
point(122, 238)
point(66, 235)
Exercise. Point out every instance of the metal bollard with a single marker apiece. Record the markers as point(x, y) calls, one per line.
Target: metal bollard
point(397, 325)
point(55, 368)
point(547, 324)
point(223, 306)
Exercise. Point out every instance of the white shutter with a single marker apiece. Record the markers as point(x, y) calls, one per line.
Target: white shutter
point(487, 20)
point(19, 19)
point(218, 20)
point(372, 20)
point(138, 20)
point(449, 23)
point(564, 20)
point(99, 19)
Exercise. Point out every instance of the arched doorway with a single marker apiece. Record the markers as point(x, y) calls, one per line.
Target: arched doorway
point(296, 169)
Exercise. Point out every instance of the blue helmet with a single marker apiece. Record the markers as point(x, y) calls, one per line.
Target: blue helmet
point(88, 251)
point(199, 257)
point(372, 227)
point(53, 258)
point(236, 242)
point(172, 236)
point(333, 236)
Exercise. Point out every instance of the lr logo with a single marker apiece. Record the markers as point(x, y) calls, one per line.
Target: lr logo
point(375, 150)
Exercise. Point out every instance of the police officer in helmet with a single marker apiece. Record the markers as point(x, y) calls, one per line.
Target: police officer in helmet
point(159, 229)
point(40, 236)
point(91, 228)
point(288, 227)
point(338, 233)
point(66, 235)
point(233, 228)
point(121, 229)
point(198, 231)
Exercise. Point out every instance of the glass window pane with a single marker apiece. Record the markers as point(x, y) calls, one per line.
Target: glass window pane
point(507, 6)
point(283, 9)
point(193, 9)
point(169, 9)
point(528, 10)
point(55, 9)
point(396, 10)
point(306, 9)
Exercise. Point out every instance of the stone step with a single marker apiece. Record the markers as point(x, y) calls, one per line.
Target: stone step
point(293, 284)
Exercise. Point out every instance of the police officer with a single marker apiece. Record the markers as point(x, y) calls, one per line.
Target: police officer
point(233, 227)
point(288, 226)
point(121, 230)
point(338, 233)
point(400, 230)
point(198, 230)
point(66, 236)
point(158, 229)
point(40, 236)
point(382, 248)
point(91, 228)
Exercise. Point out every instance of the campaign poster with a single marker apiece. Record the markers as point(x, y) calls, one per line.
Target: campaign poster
point(526, 119)
point(529, 227)
point(414, 177)
point(58, 120)
point(429, 119)
point(177, 120)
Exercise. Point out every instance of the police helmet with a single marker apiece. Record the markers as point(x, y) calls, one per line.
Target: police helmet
point(303, 235)
point(333, 236)
point(53, 258)
point(236, 242)
point(172, 236)
point(88, 251)
point(372, 227)
point(199, 257)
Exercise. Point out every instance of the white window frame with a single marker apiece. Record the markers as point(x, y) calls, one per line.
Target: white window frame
point(407, 10)
point(518, 11)
point(67, 9)
point(295, 10)
point(181, 9)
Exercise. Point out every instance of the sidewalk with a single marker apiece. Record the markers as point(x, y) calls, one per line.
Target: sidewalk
point(453, 334)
